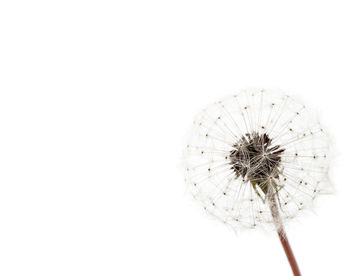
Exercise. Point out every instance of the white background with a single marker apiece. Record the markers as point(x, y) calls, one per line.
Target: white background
point(96, 98)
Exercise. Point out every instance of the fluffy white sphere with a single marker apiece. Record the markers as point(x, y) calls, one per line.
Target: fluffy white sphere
point(220, 174)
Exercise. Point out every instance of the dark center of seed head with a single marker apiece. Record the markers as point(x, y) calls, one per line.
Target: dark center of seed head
point(255, 159)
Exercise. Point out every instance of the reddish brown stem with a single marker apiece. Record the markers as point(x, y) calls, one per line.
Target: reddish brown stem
point(283, 236)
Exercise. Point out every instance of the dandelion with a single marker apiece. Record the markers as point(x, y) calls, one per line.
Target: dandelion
point(256, 159)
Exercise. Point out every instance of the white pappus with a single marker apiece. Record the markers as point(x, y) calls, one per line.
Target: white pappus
point(252, 147)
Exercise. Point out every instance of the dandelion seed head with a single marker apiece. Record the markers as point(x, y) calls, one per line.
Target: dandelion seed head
point(246, 145)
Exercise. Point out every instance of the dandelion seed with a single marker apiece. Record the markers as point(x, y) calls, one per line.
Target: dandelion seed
point(259, 147)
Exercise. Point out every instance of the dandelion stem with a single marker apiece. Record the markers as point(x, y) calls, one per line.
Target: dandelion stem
point(282, 235)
